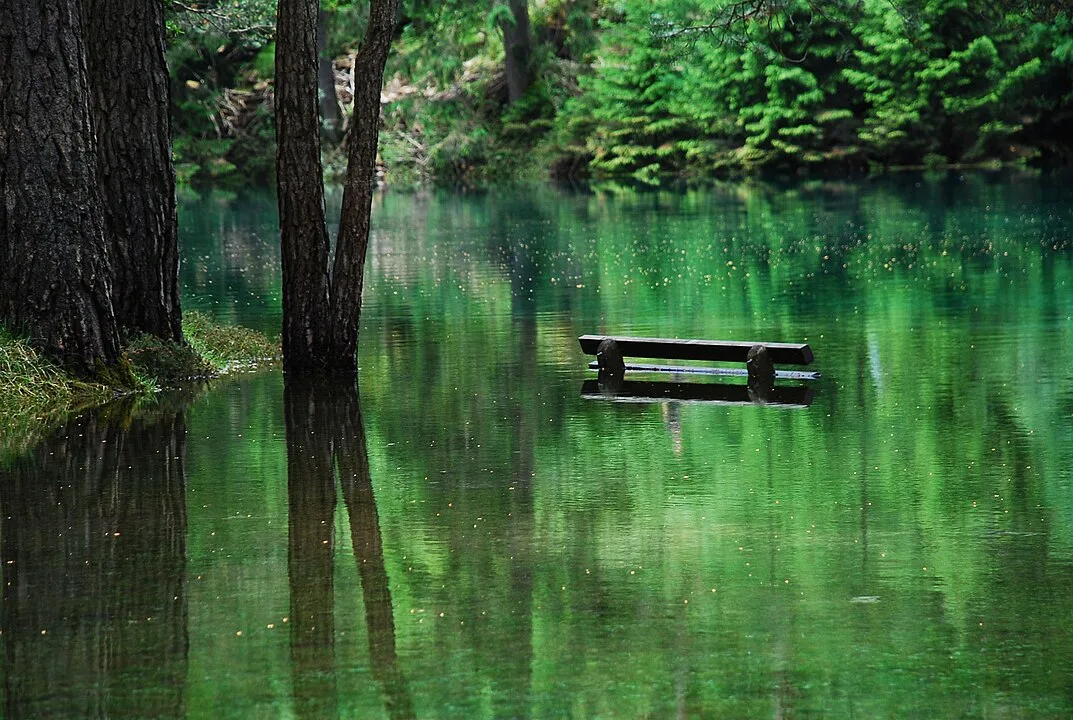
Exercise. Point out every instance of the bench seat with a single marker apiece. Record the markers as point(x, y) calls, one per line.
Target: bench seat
point(710, 350)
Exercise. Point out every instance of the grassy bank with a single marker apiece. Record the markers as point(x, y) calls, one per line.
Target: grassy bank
point(212, 349)
point(33, 384)
point(36, 391)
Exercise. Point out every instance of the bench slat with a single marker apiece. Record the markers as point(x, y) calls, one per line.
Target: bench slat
point(712, 350)
point(709, 370)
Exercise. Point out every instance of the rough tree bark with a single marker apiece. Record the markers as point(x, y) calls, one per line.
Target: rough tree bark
point(348, 273)
point(129, 99)
point(55, 264)
point(321, 306)
point(517, 48)
point(300, 188)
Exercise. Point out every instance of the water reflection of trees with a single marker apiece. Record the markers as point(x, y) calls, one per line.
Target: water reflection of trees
point(880, 475)
point(94, 610)
point(326, 436)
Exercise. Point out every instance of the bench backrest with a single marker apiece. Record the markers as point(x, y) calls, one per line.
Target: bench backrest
point(713, 350)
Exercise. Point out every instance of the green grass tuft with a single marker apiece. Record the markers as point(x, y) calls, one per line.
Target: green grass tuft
point(228, 348)
point(164, 364)
point(212, 349)
point(36, 393)
point(33, 382)
point(36, 390)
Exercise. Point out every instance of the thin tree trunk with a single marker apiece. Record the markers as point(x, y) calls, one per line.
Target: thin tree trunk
point(321, 308)
point(55, 265)
point(329, 101)
point(303, 234)
point(517, 47)
point(348, 273)
point(129, 99)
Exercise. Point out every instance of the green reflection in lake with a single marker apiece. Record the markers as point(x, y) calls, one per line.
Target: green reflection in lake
point(476, 539)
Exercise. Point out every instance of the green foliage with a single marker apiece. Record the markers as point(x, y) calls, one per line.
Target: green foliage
point(221, 61)
point(805, 83)
point(647, 88)
point(624, 114)
point(947, 81)
point(221, 18)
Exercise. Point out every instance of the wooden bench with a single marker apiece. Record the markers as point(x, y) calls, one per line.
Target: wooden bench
point(760, 357)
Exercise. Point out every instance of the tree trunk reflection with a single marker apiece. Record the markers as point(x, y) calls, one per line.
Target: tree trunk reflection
point(325, 432)
point(93, 545)
point(311, 504)
point(356, 479)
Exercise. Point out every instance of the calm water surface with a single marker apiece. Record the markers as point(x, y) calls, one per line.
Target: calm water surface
point(466, 536)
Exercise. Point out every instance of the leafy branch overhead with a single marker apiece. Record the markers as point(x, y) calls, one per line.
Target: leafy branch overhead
point(223, 17)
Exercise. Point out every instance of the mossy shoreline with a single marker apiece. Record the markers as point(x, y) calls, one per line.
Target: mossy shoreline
point(35, 392)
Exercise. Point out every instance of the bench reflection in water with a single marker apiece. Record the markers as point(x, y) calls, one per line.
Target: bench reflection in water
point(637, 391)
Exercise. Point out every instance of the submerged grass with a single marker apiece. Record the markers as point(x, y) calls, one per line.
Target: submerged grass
point(228, 348)
point(36, 393)
point(30, 381)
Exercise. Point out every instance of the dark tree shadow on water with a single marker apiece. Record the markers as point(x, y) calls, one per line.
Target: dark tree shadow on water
point(311, 499)
point(93, 546)
point(325, 437)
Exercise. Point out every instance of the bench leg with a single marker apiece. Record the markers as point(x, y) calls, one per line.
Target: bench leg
point(761, 369)
point(612, 366)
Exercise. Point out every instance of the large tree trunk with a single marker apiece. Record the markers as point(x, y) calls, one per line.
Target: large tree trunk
point(348, 273)
point(517, 47)
point(55, 265)
point(300, 189)
point(129, 99)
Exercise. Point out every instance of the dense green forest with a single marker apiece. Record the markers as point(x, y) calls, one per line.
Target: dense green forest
point(642, 88)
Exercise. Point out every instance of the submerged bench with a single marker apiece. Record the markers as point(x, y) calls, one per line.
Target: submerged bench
point(760, 358)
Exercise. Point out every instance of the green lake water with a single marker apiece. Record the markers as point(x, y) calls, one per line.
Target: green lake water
point(465, 535)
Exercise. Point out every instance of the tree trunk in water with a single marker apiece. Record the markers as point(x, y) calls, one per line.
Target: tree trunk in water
point(329, 101)
point(55, 264)
point(129, 99)
point(517, 48)
point(300, 189)
point(321, 308)
point(348, 273)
